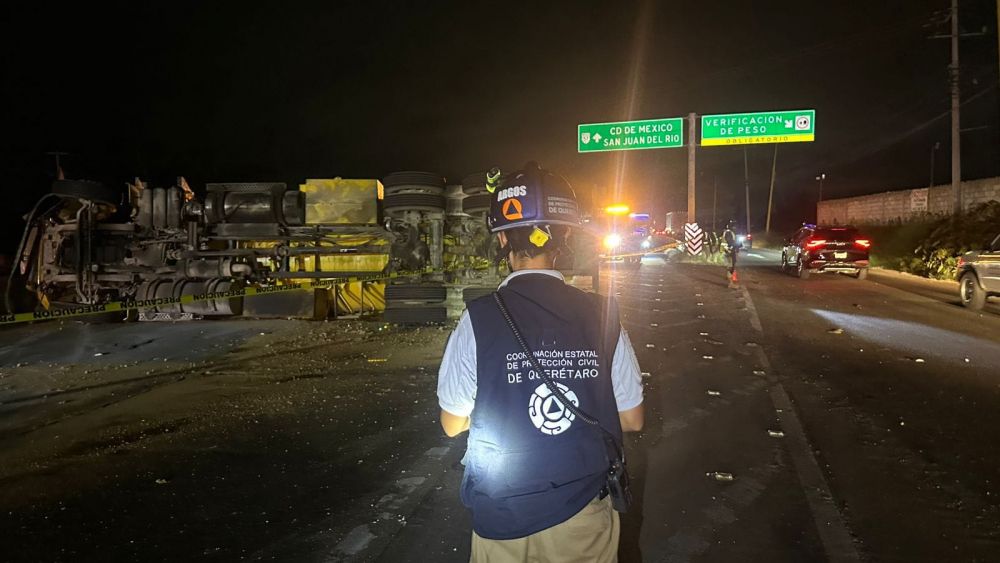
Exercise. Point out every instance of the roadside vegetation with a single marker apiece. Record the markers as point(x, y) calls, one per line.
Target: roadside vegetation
point(932, 249)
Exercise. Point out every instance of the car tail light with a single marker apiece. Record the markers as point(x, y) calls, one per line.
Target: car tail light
point(815, 243)
point(863, 243)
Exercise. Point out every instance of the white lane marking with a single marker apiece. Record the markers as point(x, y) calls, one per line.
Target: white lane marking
point(437, 451)
point(356, 541)
point(833, 532)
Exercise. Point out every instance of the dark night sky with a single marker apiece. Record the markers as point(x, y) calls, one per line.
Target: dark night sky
point(285, 91)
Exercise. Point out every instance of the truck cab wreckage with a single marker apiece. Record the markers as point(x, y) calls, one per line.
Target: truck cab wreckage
point(85, 244)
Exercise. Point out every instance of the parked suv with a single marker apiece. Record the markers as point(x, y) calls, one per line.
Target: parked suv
point(979, 275)
point(815, 249)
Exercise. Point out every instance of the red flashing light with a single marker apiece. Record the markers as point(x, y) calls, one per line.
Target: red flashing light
point(815, 243)
point(863, 243)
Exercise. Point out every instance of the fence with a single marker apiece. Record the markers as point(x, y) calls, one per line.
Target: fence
point(904, 206)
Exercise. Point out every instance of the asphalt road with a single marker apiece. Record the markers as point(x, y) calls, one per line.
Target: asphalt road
point(858, 421)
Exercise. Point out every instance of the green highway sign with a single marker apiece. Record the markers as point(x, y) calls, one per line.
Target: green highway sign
point(630, 135)
point(764, 127)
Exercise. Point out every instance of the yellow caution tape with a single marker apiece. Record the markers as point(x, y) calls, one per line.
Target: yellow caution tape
point(644, 252)
point(128, 304)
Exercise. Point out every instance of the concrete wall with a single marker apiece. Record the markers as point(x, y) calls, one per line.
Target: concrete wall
point(903, 206)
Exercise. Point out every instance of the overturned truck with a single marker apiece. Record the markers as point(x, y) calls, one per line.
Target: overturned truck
point(86, 244)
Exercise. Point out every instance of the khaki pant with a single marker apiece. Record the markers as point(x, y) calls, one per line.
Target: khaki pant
point(590, 536)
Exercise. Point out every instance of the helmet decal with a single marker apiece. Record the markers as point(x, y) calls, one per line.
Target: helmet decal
point(531, 197)
point(512, 209)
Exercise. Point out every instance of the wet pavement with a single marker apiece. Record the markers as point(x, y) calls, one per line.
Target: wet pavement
point(786, 420)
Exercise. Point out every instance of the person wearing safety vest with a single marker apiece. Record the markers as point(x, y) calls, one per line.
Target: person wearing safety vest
point(732, 249)
point(536, 474)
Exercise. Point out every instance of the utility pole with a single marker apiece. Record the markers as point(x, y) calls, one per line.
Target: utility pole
point(956, 132)
point(715, 195)
point(770, 193)
point(746, 184)
point(934, 148)
point(691, 169)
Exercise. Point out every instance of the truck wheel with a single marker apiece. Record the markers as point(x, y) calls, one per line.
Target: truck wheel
point(416, 293)
point(973, 296)
point(416, 314)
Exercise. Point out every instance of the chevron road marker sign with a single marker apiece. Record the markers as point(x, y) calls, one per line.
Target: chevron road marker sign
point(694, 237)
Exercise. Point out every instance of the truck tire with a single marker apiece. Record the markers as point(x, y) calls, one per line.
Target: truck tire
point(413, 202)
point(476, 203)
point(474, 184)
point(413, 182)
point(973, 296)
point(416, 314)
point(470, 293)
point(415, 292)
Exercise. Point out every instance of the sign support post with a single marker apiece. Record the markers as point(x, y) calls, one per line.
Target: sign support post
point(692, 143)
point(770, 192)
point(746, 185)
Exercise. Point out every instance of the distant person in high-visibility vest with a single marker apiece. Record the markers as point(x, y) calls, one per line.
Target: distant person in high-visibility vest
point(732, 248)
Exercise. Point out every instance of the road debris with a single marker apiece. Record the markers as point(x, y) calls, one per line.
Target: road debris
point(650, 345)
point(759, 372)
point(776, 433)
point(654, 324)
point(645, 374)
point(720, 476)
point(712, 393)
point(836, 331)
point(708, 357)
point(162, 481)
